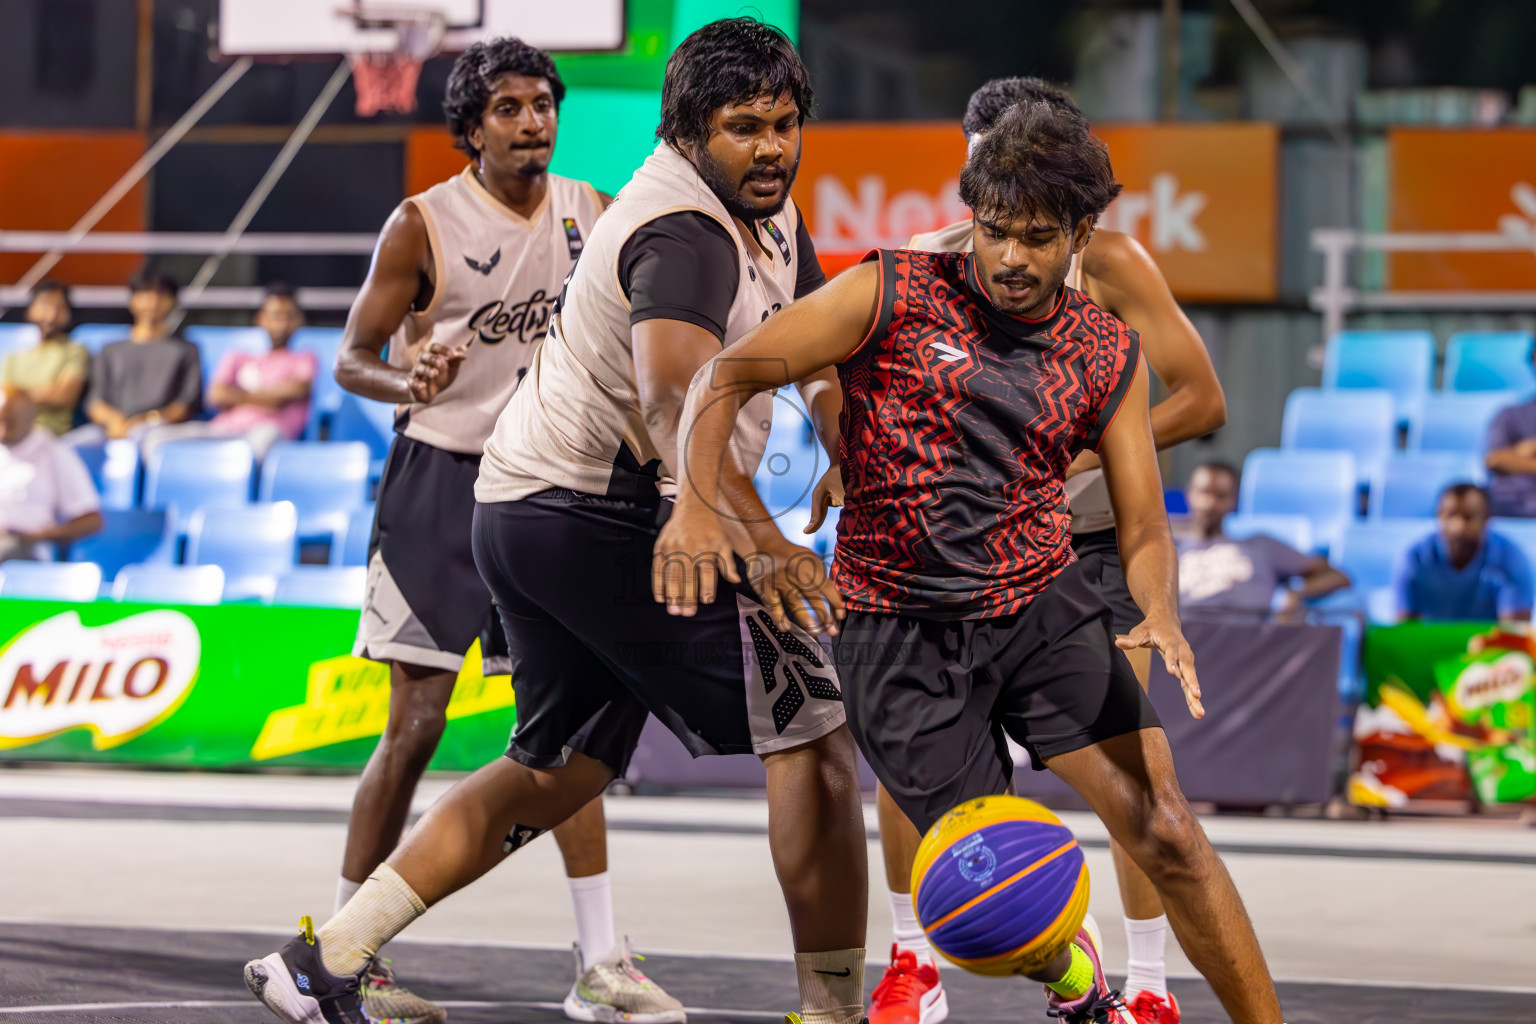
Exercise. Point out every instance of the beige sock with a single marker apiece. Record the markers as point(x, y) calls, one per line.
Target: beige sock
point(831, 986)
point(380, 910)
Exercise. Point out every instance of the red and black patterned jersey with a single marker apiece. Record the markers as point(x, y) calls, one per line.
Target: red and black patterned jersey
point(959, 422)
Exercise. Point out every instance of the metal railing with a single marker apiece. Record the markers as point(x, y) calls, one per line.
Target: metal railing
point(1336, 297)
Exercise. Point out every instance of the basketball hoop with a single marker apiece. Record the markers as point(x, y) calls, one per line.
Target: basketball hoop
point(386, 80)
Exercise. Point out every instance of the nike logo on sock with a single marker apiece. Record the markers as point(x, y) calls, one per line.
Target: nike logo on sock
point(845, 972)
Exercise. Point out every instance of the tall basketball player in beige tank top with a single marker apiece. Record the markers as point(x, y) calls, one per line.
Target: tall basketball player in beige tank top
point(1118, 275)
point(456, 304)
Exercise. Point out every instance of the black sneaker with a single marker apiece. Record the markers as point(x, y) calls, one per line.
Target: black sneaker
point(294, 984)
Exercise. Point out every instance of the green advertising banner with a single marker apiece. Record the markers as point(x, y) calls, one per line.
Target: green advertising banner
point(227, 686)
point(1450, 715)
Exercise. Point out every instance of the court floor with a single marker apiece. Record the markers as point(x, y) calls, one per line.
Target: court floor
point(138, 896)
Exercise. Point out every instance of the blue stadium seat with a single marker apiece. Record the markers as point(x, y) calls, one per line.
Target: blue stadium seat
point(1356, 421)
point(253, 545)
point(1402, 362)
point(322, 586)
point(1369, 552)
point(16, 338)
point(1489, 361)
point(326, 395)
point(1457, 421)
point(1320, 485)
point(169, 584)
point(114, 466)
point(191, 475)
point(77, 582)
point(1288, 529)
point(127, 537)
point(214, 343)
point(95, 337)
point(1408, 486)
point(324, 480)
point(363, 419)
point(350, 546)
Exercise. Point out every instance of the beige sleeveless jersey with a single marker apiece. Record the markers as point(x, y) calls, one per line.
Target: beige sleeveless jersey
point(498, 274)
point(576, 421)
point(1089, 494)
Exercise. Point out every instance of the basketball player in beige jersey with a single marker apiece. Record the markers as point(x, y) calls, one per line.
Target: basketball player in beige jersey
point(460, 291)
point(701, 246)
point(1117, 274)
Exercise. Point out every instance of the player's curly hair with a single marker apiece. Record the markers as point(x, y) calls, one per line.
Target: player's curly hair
point(1039, 159)
point(475, 73)
point(988, 103)
point(728, 61)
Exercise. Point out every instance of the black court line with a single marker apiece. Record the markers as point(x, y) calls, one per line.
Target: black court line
point(75, 975)
point(102, 810)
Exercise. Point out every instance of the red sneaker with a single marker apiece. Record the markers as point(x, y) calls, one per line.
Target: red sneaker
point(1149, 1009)
point(909, 993)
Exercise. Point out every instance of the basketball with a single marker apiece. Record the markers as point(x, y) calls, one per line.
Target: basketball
point(1000, 885)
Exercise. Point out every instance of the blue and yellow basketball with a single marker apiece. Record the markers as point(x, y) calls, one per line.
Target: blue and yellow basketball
point(1000, 885)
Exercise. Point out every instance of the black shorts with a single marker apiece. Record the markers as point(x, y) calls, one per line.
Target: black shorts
point(930, 702)
point(426, 603)
point(592, 653)
point(1101, 550)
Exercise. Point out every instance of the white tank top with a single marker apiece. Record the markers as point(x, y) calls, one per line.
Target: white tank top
point(1088, 493)
point(497, 276)
point(576, 422)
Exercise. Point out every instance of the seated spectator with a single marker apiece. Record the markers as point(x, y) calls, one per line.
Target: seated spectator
point(52, 374)
point(1465, 572)
point(1511, 461)
point(46, 493)
point(149, 380)
point(1238, 578)
point(265, 398)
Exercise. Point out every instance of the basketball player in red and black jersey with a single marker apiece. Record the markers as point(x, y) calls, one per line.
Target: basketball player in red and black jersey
point(970, 383)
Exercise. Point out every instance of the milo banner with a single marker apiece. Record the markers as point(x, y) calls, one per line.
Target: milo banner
point(1449, 715)
point(228, 686)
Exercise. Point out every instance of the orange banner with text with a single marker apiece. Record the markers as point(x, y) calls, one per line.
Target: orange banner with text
point(1483, 181)
point(1201, 198)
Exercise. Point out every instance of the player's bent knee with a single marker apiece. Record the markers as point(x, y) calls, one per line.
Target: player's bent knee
point(1171, 846)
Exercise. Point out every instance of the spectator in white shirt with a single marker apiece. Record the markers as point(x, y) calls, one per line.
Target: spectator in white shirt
point(46, 493)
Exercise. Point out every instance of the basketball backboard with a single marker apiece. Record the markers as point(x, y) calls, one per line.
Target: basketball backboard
point(287, 28)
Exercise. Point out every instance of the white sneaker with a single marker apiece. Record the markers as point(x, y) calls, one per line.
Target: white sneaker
point(614, 990)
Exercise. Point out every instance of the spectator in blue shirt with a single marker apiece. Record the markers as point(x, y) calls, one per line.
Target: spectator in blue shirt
point(1465, 572)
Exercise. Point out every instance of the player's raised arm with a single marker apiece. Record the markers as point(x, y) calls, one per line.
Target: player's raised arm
point(1150, 561)
point(814, 333)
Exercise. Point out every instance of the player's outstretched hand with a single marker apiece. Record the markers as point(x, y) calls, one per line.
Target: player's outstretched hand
point(437, 366)
point(792, 583)
point(828, 492)
point(1168, 639)
point(692, 552)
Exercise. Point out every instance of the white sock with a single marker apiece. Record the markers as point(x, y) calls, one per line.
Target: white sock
point(345, 890)
point(831, 986)
point(382, 908)
point(592, 897)
point(908, 933)
point(1146, 969)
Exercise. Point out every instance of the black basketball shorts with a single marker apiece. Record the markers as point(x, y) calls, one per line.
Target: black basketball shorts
point(592, 653)
point(1100, 549)
point(931, 701)
point(425, 602)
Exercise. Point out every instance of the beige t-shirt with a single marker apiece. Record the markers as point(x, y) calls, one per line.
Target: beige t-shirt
point(40, 366)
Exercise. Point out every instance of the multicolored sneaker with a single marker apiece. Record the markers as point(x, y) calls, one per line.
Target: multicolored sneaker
point(793, 1017)
point(1100, 1004)
point(294, 984)
point(613, 989)
point(908, 993)
point(1150, 1009)
point(386, 1001)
